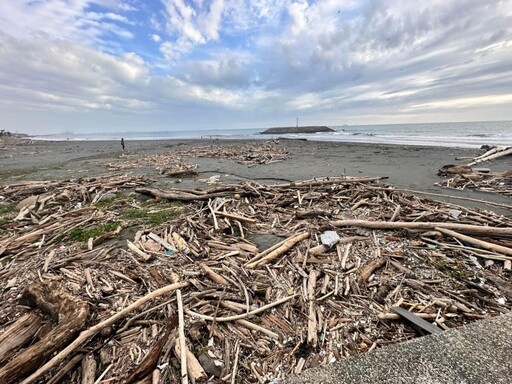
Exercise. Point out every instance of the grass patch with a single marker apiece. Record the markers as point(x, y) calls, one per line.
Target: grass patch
point(84, 234)
point(156, 216)
point(455, 271)
point(7, 208)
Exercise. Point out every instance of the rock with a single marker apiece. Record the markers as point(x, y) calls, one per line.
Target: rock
point(210, 365)
point(329, 238)
point(264, 240)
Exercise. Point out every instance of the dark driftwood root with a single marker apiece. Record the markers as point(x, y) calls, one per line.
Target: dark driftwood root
point(72, 312)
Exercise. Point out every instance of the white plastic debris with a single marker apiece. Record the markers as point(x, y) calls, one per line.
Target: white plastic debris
point(455, 213)
point(329, 238)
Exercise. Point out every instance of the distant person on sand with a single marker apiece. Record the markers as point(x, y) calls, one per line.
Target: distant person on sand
point(122, 143)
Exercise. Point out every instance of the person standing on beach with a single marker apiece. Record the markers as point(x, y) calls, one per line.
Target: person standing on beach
point(122, 143)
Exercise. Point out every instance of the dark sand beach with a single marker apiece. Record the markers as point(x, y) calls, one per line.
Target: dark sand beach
point(410, 167)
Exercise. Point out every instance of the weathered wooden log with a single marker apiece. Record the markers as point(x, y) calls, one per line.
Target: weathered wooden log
point(187, 196)
point(290, 242)
point(505, 152)
point(88, 369)
point(72, 313)
point(328, 181)
point(18, 334)
point(478, 243)
point(312, 321)
point(426, 226)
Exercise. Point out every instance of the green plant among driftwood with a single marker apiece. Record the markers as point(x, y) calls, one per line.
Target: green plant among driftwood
point(84, 234)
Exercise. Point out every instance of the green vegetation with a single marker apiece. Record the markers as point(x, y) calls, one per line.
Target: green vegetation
point(7, 208)
point(84, 234)
point(455, 271)
point(153, 217)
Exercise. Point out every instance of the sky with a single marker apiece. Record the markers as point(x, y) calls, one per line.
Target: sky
point(134, 65)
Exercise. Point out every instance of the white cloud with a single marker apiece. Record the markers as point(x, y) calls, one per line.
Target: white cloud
point(256, 60)
point(63, 19)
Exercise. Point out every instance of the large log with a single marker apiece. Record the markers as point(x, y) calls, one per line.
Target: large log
point(505, 152)
point(289, 243)
point(185, 195)
point(478, 243)
point(426, 226)
point(72, 313)
point(18, 334)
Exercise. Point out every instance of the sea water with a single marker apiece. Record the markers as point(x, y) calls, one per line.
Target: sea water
point(468, 134)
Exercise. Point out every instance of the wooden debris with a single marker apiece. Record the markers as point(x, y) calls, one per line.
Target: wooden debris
point(263, 306)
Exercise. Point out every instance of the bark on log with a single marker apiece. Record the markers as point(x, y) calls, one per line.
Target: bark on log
point(427, 226)
point(18, 334)
point(72, 312)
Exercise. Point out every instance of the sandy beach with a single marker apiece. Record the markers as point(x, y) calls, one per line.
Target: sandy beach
point(411, 167)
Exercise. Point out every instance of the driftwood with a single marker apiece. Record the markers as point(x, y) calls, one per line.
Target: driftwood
point(290, 242)
point(426, 226)
point(90, 332)
point(476, 242)
point(71, 313)
point(255, 322)
point(181, 339)
point(368, 269)
point(88, 369)
point(492, 156)
point(150, 361)
point(185, 196)
point(18, 334)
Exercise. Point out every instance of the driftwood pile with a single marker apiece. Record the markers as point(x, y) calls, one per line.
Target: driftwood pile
point(174, 164)
point(467, 177)
point(265, 152)
point(169, 164)
point(497, 182)
point(203, 298)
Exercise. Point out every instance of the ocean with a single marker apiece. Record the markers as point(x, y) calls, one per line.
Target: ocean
point(466, 135)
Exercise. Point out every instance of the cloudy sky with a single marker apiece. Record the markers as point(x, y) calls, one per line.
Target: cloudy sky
point(146, 65)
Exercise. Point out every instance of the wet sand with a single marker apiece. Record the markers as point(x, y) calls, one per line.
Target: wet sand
point(411, 167)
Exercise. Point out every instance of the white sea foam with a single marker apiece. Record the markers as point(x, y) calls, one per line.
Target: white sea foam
point(469, 135)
